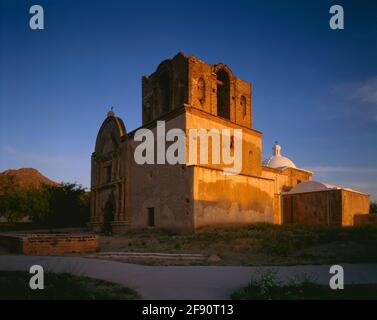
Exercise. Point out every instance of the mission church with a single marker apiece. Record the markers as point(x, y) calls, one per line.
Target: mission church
point(188, 93)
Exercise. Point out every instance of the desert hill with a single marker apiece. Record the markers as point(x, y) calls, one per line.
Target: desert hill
point(29, 178)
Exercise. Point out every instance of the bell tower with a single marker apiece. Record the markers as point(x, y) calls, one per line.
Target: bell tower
point(186, 80)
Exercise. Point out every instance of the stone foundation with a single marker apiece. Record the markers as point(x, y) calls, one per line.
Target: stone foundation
point(49, 244)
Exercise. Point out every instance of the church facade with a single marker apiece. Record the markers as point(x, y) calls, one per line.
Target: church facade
point(187, 93)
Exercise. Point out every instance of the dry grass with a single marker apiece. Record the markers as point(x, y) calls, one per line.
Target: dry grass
point(258, 244)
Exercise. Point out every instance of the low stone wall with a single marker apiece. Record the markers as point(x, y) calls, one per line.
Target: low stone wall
point(49, 244)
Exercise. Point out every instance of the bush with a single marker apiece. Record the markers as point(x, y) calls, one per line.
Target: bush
point(11, 206)
point(69, 205)
point(303, 286)
point(63, 205)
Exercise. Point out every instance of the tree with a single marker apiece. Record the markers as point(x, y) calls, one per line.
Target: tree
point(11, 199)
point(63, 205)
point(11, 205)
point(36, 203)
point(7, 183)
point(373, 207)
point(69, 205)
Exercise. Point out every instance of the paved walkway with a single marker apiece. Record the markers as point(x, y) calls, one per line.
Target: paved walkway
point(176, 282)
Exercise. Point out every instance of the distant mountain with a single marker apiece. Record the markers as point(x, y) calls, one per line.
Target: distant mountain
point(29, 177)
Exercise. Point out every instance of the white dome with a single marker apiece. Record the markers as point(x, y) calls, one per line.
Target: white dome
point(310, 186)
point(277, 160)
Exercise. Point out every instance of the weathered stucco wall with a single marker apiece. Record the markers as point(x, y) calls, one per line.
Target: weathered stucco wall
point(284, 180)
point(313, 208)
point(330, 207)
point(165, 188)
point(353, 203)
point(188, 197)
point(251, 141)
point(222, 200)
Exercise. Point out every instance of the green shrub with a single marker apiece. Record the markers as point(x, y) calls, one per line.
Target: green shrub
point(69, 205)
point(65, 205)
point(267, 287)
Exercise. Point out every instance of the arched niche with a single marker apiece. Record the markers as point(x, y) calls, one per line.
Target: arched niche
point(223, 93)
point(243, 104)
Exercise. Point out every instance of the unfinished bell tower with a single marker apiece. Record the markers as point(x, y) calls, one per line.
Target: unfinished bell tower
point(186, 80)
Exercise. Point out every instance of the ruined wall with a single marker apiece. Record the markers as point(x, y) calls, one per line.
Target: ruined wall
point(188, 80)
point(227, 200)
point(203, 86)
point(166, 89)
point(353, 203)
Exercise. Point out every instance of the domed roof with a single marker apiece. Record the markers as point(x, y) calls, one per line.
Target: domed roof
point(277, 160)
point(310, 186)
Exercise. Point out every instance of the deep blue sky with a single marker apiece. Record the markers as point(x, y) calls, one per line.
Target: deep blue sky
point(315, 89)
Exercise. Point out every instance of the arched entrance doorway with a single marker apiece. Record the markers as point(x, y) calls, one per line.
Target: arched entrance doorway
point(109, 214)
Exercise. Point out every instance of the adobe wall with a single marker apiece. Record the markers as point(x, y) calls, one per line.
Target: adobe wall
point(203, 91)
point(251, 140)
point(329, 207)
point(166, 89)
point(313, 208)
point(226, 200)
point(167, 189)
point(284, 180)
point(353, 203)
point(164, 187)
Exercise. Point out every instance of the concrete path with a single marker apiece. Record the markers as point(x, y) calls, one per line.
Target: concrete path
point(181, 282)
